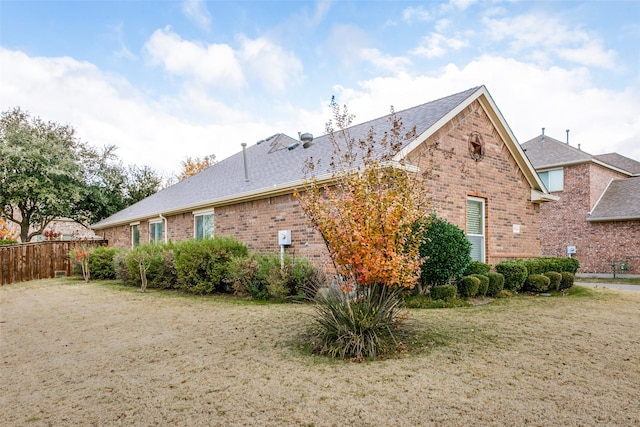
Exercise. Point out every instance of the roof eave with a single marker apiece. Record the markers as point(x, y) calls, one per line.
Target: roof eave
point(614, 218)
point(540, 197)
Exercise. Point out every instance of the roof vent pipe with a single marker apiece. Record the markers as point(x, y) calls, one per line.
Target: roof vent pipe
point(244, 159)
point(567, 136)
point(579, 147)
point(542, 139)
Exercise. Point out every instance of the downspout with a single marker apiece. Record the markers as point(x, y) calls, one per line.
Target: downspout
point(166, 227)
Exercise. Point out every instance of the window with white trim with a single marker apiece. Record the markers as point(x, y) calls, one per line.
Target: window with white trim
point(203, 225)
point(553, 179)
point(135, 235)
point(155, 232)
point(476, 227)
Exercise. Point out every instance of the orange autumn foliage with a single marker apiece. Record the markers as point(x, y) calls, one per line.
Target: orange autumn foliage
point(366, 212)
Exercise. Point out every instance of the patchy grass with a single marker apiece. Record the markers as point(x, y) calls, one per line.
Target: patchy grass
point(609, 280)
point(104, 354)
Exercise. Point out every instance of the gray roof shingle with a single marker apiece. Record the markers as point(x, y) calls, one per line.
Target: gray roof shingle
point(270, 165)
point(620, 201)
point(620, 162)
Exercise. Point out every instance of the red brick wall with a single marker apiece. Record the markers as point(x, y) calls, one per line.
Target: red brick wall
point(496, 178)
point(564, 223)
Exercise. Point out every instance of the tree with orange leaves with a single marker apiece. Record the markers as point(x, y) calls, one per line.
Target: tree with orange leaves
point(192, 166)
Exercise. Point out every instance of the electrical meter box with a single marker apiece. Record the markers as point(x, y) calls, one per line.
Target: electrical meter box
point(284, 237)
point(571, 250)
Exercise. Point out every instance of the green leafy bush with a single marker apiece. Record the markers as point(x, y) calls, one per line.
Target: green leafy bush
point(567, 280)
point(477, 267)
point(101, 263)
point(156, 261)
point(555, 279)
point(261, 276)
point(446, 253)
point(514, 272)
point(468, 286)
point(545, 264)
point(537, 283)
point(443, 292)
point(8, 242)
point(496, 284)
point(368, 323)
point(120, 268)
point(202, 265)
point(484, 284)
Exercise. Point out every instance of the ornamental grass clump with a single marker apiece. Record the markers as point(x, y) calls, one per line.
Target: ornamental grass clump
point(367, 323)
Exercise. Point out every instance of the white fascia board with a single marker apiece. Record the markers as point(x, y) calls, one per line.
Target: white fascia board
point(540, 197)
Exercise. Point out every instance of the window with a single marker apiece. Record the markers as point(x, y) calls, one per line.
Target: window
point(203, 225)
point(135, 235)
point(553, 179)
point(475, 227)
point(155, 232)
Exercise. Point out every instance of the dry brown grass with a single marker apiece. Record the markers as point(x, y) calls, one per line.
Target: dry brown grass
point(78, 354)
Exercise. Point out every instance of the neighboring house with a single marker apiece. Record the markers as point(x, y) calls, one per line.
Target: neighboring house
point(250, 194)
point(598, 213)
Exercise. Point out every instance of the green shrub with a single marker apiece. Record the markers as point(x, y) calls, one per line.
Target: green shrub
point(477, 267)
point(496, 284)
point(101, 263)
point(8, 242)
point(545, 264)
point(537, 283)
point(567, 280)
point(446, 253)
point(555, 279)
point(443, 292)
point(202, 265)
point(157, 263)
point(120, 268)
point(426, 302)
point(514, 272)
point(261, 276)
point(365, 324)
point(484, 284)
point(468, 286)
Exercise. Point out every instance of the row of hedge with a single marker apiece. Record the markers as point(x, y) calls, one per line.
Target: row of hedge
point(218, 265)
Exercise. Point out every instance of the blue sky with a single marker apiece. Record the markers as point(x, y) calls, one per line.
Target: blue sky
point(164, 80)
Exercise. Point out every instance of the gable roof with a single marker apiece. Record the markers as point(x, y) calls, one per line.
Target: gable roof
point(545, 152)
point(620, 201)
point(275, 165)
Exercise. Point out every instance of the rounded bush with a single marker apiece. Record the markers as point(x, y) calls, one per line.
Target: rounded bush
point(101, 263)
point(537, 283)
point(515, 273)
point(555, 279)
point(445, 251)
point(443, 292)
point(158, 262)
point(468, 286)
point(496, 284)
point(484, 284)
point(476, 267)
point(567, 280)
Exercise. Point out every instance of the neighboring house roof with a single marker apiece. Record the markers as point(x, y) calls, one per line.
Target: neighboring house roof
point(620, 201)
point(545, 152)
point(273, 168)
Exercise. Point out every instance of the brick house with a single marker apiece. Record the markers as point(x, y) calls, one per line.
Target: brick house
point(250, 194)
point(598, 213)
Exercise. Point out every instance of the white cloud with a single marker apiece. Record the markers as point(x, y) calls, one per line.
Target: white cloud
point(213, 64)
point(556, 98)
point(435, 45)
point(416, 14)
point(270, 64)
point(541, 36)
point(196, 10)
point(106, 110)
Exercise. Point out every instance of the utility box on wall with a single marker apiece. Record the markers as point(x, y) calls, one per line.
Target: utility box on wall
point(284, 237)
point(571, 250)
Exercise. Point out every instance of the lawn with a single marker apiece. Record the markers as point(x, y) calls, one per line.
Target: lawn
point(103, 354)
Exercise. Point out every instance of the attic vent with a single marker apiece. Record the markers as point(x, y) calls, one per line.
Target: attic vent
point(292, 146)
point(306, 138)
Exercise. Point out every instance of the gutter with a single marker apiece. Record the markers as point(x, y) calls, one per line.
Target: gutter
point(614, 218)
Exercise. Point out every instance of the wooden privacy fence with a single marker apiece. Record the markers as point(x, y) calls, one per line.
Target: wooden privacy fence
point(41, 260)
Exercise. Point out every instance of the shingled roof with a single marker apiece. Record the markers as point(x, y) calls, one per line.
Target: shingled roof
point(619, 202)
point(275, 165)
point(545, 152)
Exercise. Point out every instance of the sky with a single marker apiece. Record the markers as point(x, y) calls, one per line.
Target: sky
point(166, 80)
